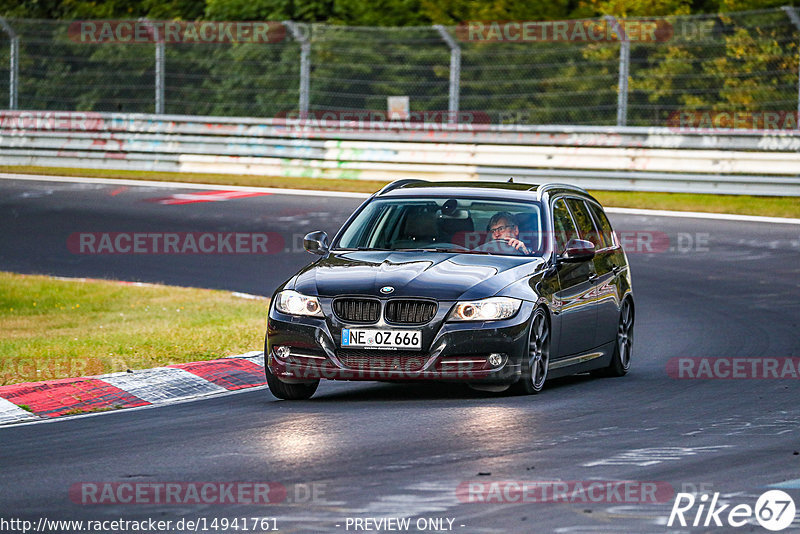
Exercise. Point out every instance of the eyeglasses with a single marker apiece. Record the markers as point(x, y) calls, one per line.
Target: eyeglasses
point(501, 228)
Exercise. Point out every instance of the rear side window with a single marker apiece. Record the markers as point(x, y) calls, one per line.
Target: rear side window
point(606, 232)
point(584, 221)
point(563, 227)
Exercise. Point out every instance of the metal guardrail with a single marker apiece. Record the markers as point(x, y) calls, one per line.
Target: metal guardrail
point(612, 158)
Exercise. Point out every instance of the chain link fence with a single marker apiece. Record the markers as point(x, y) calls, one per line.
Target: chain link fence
point(739, 62)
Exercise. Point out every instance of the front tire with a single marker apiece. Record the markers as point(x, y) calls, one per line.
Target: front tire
point(285, 390)
point(536, 360)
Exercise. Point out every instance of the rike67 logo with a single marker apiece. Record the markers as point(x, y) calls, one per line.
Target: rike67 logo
point(774, 510)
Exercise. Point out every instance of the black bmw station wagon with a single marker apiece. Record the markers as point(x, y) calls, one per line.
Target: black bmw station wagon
point(497, 285)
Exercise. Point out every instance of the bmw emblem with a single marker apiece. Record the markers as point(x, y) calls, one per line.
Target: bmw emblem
point(387, 289)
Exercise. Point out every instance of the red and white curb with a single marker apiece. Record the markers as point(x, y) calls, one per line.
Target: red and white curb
point(32, 401)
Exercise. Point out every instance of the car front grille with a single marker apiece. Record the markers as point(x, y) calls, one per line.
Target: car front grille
point(355, 310)
point(409, 311)
point(382, 360)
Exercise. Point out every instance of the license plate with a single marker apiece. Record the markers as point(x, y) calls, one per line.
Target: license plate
point(381, 339)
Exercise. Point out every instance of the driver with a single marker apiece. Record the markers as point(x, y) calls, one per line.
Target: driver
point(503, 227)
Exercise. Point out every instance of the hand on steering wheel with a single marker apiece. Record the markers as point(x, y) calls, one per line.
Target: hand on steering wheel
point(516, 244)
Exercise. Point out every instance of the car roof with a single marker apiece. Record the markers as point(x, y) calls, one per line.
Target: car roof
point(409, 188)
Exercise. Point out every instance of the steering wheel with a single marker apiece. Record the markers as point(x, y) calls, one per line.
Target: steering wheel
point(499, 246)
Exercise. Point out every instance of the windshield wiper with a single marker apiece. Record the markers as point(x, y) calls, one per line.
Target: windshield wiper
point(446, 250)
point(442, 249)
point(425, 250)
point(362, 249)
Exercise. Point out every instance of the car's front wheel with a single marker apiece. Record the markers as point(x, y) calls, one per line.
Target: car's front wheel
point(289, 391)
point(537, 358)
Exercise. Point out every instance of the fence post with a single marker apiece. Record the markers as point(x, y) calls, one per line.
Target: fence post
point(624, 62)
point(159, 67)
point(455, 73)
point(795, 18)
point(301, 37)
point(13, 65)
point(160, 60)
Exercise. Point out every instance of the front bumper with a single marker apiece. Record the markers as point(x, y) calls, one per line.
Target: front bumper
point(452, 351)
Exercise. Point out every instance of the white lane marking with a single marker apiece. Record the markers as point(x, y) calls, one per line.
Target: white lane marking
point(180, 185)
point(248, 355)
point(788, 484)
point(701, 215)
point(774, 424)
point(215, 195)
point(248, 296)
point(237, 294)
point(653, 456)
point(345, 194)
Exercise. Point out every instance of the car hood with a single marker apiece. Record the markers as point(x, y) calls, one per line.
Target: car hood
point(438, 275)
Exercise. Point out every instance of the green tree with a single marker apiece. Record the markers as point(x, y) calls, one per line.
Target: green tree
point(297, 10)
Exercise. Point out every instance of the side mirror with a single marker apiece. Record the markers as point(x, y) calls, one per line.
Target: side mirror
point(316, 243)
point(578, 250)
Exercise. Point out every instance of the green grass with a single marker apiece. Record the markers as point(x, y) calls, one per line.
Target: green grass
point(738, 204)
point(317, 184)
point(742, 205)
point(53, 328)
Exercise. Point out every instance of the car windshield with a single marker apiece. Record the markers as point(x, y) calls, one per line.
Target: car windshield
point(467, 225)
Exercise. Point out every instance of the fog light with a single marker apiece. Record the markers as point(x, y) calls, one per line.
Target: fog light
point(282, 351)
point(495, 359)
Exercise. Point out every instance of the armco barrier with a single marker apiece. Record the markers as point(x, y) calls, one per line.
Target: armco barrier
point(634, 159)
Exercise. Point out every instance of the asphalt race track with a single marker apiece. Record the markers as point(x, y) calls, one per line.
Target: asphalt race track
point(374, 450)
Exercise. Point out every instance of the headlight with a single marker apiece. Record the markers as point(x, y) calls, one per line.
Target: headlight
point(294, 303)
point(490, 309)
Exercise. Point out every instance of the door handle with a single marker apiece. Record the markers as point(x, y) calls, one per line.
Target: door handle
point(616, 268)
point(593, 277)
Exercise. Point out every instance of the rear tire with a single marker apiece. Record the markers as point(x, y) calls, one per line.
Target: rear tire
point(623, 347)
point(536, 360)
point(289, 391)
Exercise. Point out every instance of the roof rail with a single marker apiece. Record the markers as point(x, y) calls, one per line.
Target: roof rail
point(399, 183)
point(544, 187)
